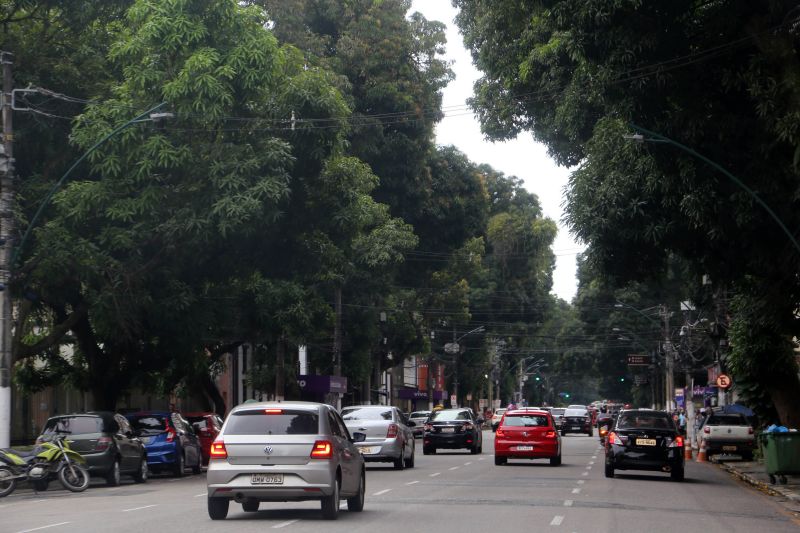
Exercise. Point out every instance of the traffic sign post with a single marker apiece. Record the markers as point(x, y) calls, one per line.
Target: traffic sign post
point(724, 381)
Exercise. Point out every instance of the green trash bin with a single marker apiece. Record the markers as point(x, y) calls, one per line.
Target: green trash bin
point(781, 453)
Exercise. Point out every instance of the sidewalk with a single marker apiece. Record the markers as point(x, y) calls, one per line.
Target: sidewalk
point(754, 473)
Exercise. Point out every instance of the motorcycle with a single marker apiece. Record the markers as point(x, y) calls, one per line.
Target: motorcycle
point(48, 460)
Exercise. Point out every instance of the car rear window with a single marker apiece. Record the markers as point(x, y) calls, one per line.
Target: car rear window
point(576, 412)
point(74, 425)
point(446, 416)
point(726, 420)
point(286, 422)
point(148, 423)
point(557, 411)
point(419, 414)
point(526, 420)
point(358, 413)
point(644, 420)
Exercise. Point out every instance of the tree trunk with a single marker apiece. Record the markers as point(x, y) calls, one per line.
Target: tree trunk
point(212, 392)
point(280, 369)
point(784, 396)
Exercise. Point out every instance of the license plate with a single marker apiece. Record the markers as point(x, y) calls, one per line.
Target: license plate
point(448, 430)
point(266, 479)
point(365, 450)
point(729, 448)
point(574, 427)
point(524, 448)
point(645, 442)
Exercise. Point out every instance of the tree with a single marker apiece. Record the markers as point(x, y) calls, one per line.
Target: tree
point(576, 74)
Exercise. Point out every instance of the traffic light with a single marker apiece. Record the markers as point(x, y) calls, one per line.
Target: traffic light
point(622, 380)
point(538, 378)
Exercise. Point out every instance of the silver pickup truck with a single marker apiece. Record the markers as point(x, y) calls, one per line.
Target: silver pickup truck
point(727, 433)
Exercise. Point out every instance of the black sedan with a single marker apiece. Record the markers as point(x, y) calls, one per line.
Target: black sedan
point(644, 439)
point(576, 421)
point(453, 429)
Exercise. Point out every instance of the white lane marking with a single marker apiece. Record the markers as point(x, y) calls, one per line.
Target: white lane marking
point(174, 479)
point(585, 474)
point(567, 503)
point(199, 495)
point(557, 520)
point(589, 467)
point(43, 527)
point(591, 462)
point(384, 491)
point(284, 524)
point(468, 463)
point(453, 468)
point(138, 508)
point(435, 474)
point(594, 457)
point(480, 458)
point(576, 491)
point(581, 482)
point(412, 482)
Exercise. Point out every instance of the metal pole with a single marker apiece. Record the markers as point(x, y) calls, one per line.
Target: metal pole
point(6, 234)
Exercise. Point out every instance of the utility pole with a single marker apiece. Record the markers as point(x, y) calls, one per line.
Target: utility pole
point(669, 363)
point(337, 342)
point(6, 243)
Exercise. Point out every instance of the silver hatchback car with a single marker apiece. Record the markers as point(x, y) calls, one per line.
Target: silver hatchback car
point(288, 451)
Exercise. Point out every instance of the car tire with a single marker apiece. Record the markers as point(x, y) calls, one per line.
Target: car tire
point(747, 456)
point(113, 475)
point(410, 460)
point(428, 450)
point(141, 475)
point(330, 504)
point(555, 461)
point(400, 461)
point(609, 470)
point(356, 503)
point(250, 506)
point(563, 433)
point(198, 468)
point(590, 433)
point(677, 474)
point(500, 461)
point(178, 469)
point(218, 508)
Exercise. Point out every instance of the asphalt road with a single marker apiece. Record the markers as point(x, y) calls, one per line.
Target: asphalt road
point(444, 493)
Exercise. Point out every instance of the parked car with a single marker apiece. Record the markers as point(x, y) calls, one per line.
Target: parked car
point(419, 418)
point(558, 416)
point(206, 426)
point(288, 451)
point(169, 440)
point(645, 439)
point(105, 440)
point(527, 434)
point(496, 417)
point(389, 437)
point(452, 429)
point(727, 433)
point(576, 421)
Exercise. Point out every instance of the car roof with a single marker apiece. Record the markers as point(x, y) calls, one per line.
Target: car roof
point(149, 413)
point(198, 413)
point(280, 405)
point(368, 407)
point(89, 414)
point(527, 410)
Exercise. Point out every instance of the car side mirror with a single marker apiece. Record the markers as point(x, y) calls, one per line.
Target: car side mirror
point(359, 437)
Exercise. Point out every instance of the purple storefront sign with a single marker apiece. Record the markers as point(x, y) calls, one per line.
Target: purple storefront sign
point(411, 394)
point(322, 384)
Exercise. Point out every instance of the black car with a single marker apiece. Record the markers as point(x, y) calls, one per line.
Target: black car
point(645, 439)
point(452, 429)
point(105, 440)
point(576, 421)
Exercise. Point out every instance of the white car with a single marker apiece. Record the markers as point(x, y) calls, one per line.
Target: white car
point(497, 417)
point(389, 438)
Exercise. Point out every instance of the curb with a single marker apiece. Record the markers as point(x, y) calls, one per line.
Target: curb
point(765, 487)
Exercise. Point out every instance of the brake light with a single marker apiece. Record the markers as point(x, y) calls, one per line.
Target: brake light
point(613, 438)
point(500, 433)
point(706, 429)
point(750, 430)
point(392, 433)
point(273, 411)
point(103, 443)
point(322, 449)
point(171, 434)
point(218, 450)
point(550, 435)
point(677, 443)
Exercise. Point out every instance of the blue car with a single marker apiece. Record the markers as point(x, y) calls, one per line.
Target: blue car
point(170, 441)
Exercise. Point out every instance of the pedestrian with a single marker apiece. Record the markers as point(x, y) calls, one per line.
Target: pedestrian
point(682, 422)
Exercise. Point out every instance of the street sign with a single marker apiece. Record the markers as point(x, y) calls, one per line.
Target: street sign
point(640, 379)
point(453, 400)
point(724, 381)
point(638, 360)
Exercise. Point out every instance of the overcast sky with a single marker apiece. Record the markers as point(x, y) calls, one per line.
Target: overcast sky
point(522, 157)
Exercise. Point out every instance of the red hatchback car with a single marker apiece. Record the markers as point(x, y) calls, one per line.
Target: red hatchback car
point(207, 426)
point(527, 434)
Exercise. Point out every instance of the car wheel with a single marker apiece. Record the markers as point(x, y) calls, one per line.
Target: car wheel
point(250, 506)
point(141, 475)
point(555, 461)
point(747, 456)
point(400, 461)
point(677, 474)
point(499, 461)
point(218, 508)
point(609, 470)
point(330, 504)
point(563, 433)
point(356, 503)
point(428, 450)
point(112, 477)
point(410, 460)
point(473, 449)
point(179, 466)
point(590, 433)
point(198, 468)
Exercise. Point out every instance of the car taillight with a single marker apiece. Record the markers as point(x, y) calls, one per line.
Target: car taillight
point(706, 429)
point(392, 433)
point(322, 449)
point(428, 427)
point(613, 438)
point(273, 411)
point(750, 430)
point(103, 443)
point(468, 426)
point(677, 443)
point(171, 434)
point(218, 450)
point(550, 435)
point(500, 433)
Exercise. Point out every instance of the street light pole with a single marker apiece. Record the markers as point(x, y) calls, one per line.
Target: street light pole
point(454, 349)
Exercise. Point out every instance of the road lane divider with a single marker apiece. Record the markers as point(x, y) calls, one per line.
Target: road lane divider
point(381, 492)
point(557, 520)
point(436, 474)
point(140, 508)
point(468, 463)
point(43, 527)
point(201, 495)
point(581, 482)
point(576, 491)
point(454, 468)
point(284, 524)
point(412, 482)
point(568, 503)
